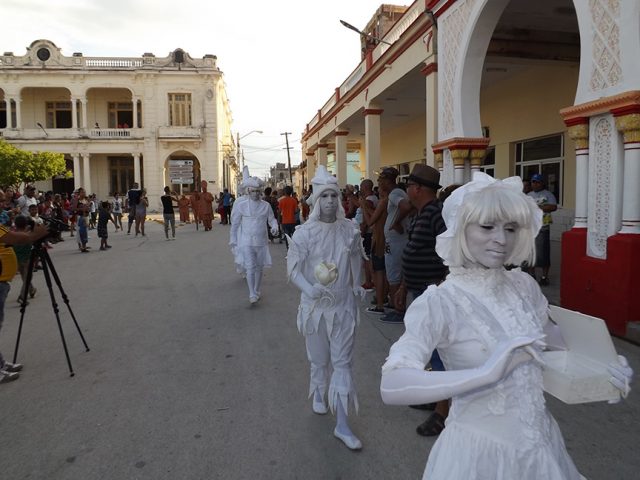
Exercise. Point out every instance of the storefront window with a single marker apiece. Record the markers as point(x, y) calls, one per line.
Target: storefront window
point(543, 155)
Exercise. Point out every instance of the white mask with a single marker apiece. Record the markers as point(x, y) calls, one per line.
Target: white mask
point(491, 244)
point(254, 193)
point(328, 204)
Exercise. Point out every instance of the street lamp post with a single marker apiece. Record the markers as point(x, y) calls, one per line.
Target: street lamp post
point(238, 138)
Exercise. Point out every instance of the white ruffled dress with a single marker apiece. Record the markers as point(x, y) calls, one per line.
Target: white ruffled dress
point(499, 432)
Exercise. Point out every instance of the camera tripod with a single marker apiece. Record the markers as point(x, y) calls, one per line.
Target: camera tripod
point(38, 251)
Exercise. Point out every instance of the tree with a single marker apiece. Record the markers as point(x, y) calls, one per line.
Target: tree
point(18, 166)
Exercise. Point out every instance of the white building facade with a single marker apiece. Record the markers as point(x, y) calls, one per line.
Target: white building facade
point(151, 120)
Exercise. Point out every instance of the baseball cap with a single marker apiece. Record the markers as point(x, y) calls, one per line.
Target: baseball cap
point(536, 177)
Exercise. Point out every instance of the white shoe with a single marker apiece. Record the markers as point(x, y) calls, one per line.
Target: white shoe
point(351, 441)
point(8, 376)
point(320, 408)
point(253, 299)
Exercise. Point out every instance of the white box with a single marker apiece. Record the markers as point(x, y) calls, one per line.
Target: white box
point(579, 374)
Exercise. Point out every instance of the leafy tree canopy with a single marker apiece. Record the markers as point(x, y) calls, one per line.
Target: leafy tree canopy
point(18, 166)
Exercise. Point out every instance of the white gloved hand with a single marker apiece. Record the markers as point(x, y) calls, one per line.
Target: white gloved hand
point(621, 376)
point(274, 232)
point(359, 292)
point(507, 357)
point(317, 291)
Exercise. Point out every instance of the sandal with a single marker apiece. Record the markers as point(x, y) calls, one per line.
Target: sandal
point(432, 426)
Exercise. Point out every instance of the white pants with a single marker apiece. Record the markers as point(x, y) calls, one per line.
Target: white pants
point(335, 351)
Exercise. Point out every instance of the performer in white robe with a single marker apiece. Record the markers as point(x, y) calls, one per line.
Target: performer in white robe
point(248, 238)
point(324, 261)
point(486, 323)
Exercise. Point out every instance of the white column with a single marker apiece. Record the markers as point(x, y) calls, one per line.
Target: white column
point(135, 112)
point(341, 157)
point(578, 131)
point(631, 192)
point(372, 142)
point(136, 169)
point(311, 167)
point(321, 154)
point(83, 105)
point(18, 100)
point(7, 101)
point(74, 114)
point(86, 173)
point(76, 171)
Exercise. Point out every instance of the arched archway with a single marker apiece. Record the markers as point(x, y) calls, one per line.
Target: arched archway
point(182, 171)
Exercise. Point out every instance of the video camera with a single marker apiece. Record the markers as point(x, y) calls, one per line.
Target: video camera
point(54, 226)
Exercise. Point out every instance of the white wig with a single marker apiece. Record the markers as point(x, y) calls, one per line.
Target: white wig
point(486, 200)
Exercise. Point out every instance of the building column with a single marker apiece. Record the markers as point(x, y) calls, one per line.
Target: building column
point(438, 161)
point(76, 171)
point(134, 100)
point(431, 108)
point(372, 142)
point(136, 168)
point(341, 157)
point(628, 122)
point(311, 167)
point(83, 106)
point(7, 101)
point(321, 154)
point(475, 159)
point(459, 157)
point(578, 131)
point(74, 112)
point(86, 173)
point(18, 100)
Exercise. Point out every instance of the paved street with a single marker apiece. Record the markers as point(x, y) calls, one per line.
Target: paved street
point(185, 381)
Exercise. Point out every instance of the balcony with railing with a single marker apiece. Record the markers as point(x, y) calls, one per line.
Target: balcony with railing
point(71, 133)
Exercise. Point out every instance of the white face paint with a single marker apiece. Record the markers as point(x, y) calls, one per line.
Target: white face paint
point(254, 193)
point(328, 204)
point(490, 244)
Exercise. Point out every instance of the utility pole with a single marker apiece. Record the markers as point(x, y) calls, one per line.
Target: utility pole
point(286, 137)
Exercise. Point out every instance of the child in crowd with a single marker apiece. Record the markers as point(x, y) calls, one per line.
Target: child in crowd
point(104, 215)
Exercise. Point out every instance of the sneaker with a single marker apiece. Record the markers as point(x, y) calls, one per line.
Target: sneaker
point(8, 376)
point(544, 281)
point(376, 310)
point(12, 367)
point(393, 317)
point(368, 286)
point(385, 304)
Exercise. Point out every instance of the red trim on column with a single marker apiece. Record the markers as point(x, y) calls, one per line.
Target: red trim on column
point(626, 110)
point(341, 134)
point(372, 111)
point(429, 69)
point(337, 93)
point(570, 122)
point(323, 145)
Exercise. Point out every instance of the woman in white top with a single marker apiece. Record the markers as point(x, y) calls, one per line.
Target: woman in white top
point(487, 324)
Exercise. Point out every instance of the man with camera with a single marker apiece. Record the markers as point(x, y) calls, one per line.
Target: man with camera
point(133, 199)
point(8, 268)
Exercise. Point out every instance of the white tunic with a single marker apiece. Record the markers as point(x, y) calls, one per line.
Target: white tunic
point(502, 431)
point(249, 220)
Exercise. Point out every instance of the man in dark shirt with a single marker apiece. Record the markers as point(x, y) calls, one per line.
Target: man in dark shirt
point(168, 214)
point(421, 265)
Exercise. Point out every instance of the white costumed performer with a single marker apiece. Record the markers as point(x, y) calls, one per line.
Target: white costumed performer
point(324, 261)
point(248, 237)
point(487, 324)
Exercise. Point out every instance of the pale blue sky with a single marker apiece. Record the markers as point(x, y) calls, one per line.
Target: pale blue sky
point(282, 59)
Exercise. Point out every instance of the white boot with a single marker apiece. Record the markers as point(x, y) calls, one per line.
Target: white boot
point(257, 283)
point(342, 430)
point(319, 406)
point(251, 281)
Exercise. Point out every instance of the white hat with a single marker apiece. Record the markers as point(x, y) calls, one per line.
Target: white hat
point(322, 181)
point(249, 181)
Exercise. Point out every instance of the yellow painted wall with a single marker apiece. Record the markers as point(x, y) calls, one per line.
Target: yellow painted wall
point(404, 143)
point(525, 105)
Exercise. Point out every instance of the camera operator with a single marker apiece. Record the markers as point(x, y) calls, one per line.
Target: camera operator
point(9, 371)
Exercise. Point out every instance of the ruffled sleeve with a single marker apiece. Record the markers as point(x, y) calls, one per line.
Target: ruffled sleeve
point(427, 325)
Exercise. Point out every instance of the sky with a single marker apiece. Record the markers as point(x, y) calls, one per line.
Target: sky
point(281, 60)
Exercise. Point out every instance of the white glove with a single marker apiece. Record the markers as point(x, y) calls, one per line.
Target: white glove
point(359, 292)
point(621, 376)
point(274, 232)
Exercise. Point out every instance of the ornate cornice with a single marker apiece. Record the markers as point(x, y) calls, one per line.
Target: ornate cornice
point(458, 143)
point(372, 111)
point(602, 105)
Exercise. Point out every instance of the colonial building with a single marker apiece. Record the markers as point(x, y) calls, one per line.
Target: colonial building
point(153, 120)
point(511, 87)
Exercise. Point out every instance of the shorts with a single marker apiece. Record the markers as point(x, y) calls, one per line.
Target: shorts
point(543, 248)
point(393, 257)
point(366, 243)
point(377, 263)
